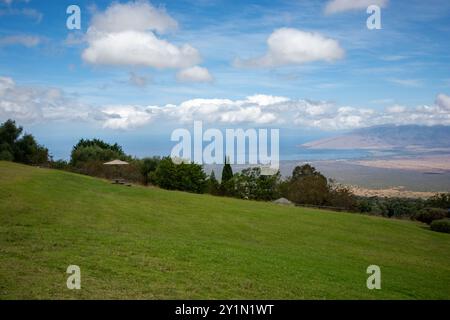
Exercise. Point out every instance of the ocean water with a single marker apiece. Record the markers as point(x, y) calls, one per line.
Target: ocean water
point(305, 154)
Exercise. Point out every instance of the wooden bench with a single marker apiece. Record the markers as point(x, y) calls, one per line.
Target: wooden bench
point(118, 181)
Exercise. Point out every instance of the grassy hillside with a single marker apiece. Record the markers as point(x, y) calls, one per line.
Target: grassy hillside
point(148, 243)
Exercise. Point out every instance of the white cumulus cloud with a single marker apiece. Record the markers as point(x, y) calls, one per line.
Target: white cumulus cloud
point(288, 46)
point(125, 117)
point(137, 16)
point(443, 102)
point(396, 109)
point(138, 49)
point(266, 100)
point(42, 104)
point(194, 74)
point(125, 34)
point(34, 104)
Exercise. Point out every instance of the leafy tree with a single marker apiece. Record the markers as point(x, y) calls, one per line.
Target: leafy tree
point(185, 176)
point(213, 184)
point(342, 197)
point(190, 177)
point(303, 171)
point(164, 174)
point(309, 190)
point(99, 143)
point(29, 152)
point(243, 185)
point(250, 184)
point(308, 186)
point(268, 187)
point(147, 166)
point(9, 134)
point(397, 207)
point(23, 149)
point(95, 150)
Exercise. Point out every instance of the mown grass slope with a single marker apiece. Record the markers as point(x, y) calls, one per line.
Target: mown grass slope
point(147, 243)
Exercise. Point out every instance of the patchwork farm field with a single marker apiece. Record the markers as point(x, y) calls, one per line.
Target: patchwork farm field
point(148, 243)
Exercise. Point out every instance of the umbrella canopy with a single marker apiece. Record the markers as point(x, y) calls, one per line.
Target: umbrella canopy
point(116, 163)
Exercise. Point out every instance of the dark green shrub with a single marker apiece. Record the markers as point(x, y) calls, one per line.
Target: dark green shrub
point(428, 215)
point(440, 200)
point(442, 225)
point(398, 207)
point(60, 165)
point(365, 205)
point(184, 176)
point(342, 197)
point(6, 155)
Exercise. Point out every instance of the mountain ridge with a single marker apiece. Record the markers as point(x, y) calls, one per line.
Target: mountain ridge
point(386, 137)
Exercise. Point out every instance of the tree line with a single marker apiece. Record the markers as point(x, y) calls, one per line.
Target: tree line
point(306, 186)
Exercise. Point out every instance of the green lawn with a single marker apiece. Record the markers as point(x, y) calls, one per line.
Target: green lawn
point(147, 243)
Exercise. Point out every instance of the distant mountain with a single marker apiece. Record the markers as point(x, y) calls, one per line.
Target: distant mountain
point(387, 137)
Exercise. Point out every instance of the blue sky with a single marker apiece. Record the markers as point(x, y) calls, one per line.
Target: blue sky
point(305, 67)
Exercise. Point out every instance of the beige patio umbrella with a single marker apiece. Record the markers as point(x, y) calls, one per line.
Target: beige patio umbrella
point(116, 163)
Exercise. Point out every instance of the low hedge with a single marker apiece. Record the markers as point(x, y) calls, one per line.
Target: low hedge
point(428, 215)
point(442, 225)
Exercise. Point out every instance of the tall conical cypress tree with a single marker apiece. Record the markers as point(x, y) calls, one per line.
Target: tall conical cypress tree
point(227, 172)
